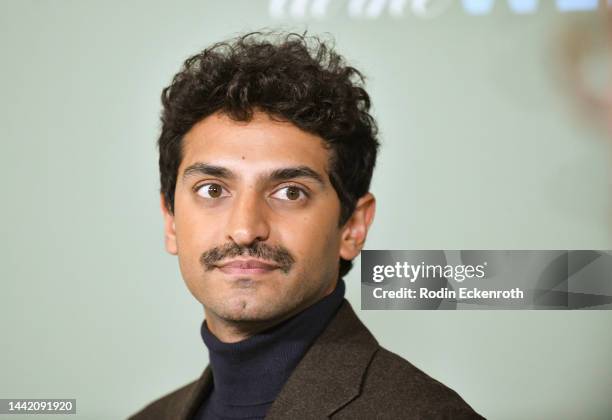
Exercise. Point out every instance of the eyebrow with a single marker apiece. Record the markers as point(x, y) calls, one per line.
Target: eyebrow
point(280, 174)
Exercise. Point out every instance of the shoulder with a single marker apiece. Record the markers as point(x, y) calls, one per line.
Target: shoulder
point(163, 407)
point(397, 388)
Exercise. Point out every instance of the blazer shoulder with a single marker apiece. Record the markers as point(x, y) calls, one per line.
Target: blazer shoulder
point(161, 408)
point(401, 390)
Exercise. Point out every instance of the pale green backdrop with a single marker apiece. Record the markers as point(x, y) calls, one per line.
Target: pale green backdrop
point(484, 147)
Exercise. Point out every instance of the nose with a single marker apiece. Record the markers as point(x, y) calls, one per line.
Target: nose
point(247, 221)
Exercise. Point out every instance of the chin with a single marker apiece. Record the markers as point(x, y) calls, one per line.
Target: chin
point(251, 309)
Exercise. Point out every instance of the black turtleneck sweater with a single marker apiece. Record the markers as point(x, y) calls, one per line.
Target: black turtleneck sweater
point(248, 375)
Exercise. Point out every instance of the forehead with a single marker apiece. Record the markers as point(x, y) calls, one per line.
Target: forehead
point(258, 145)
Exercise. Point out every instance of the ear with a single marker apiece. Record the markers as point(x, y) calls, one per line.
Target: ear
point(356, 228)
point(169, 228)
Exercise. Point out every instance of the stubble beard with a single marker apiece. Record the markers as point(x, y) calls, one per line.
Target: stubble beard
point(250, 307)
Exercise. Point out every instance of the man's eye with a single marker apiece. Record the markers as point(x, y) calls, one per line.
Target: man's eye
point(211, 191)
point(290, 193)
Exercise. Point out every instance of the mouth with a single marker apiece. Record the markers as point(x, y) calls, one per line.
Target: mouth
point(242, 267)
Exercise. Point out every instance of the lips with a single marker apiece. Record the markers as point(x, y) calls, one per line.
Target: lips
point(246, 267)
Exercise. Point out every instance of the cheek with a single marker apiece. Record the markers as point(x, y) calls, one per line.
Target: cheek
point(193, 225)
point(193, 237)
point(315, 241)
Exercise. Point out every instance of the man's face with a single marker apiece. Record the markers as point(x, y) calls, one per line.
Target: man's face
point(255, 222)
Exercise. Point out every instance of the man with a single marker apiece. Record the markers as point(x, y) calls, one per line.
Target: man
point(266, 155)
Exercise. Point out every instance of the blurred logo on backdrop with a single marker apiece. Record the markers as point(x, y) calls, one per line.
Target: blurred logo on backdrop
point(373, 9)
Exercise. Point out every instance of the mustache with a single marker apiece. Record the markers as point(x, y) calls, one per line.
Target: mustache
point(277, 254)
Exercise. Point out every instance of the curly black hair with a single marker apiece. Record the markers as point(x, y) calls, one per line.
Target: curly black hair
point(292, 77)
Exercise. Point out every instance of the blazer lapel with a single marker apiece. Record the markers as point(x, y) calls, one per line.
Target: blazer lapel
point(330, 374)
point(186, 404)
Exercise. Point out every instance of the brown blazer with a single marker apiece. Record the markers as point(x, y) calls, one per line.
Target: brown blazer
point(345, 374)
